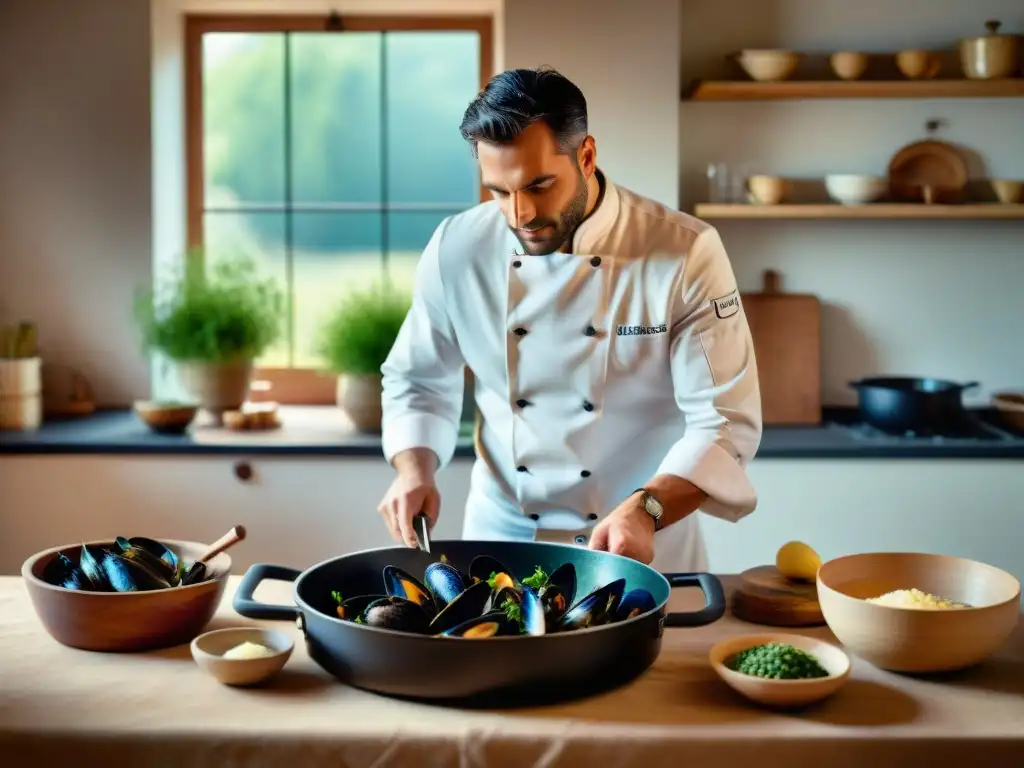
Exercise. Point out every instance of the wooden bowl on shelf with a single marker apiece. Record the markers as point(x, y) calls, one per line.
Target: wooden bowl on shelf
point(125, 621)
point(1010, 407)
point(171, 418)
point(909, 638)
point(1008, 191)
point(768, 66)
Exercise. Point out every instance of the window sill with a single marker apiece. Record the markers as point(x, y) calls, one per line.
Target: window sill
point(305, 430)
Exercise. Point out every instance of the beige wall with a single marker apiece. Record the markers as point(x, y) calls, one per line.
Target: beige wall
point(75, 209)
point(937, 298)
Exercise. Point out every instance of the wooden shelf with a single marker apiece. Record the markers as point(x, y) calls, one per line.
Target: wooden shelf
point(982, 211)
point(740, 90)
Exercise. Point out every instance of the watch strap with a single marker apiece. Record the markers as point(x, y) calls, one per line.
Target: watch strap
point(659, 521)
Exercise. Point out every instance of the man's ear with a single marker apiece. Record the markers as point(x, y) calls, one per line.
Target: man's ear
point(586, 156)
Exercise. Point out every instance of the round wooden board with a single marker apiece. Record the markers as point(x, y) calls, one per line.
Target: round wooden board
point(765, 596)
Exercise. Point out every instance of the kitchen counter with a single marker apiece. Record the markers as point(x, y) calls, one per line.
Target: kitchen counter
point(324, 431)
point(63, 706)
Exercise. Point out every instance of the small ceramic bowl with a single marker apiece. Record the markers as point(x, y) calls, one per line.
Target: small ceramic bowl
point(208, 651)
point(783, 693)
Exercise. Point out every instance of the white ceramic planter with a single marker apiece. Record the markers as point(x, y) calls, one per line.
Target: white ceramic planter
point(21, 393)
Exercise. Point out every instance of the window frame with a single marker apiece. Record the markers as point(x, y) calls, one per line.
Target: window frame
point(293, 386)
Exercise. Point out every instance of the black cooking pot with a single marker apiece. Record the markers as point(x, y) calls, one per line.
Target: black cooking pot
point(899, 405)
point(496, 671)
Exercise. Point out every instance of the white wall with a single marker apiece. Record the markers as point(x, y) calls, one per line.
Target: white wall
point(935, 298)
point(75, 181)
point(624, 56)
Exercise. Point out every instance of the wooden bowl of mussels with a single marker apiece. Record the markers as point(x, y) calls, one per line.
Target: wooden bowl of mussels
point(128, 594)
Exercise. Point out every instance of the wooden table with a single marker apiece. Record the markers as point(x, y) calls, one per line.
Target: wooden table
point(60, 706)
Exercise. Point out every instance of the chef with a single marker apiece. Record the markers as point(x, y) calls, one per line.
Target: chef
point(615, 379)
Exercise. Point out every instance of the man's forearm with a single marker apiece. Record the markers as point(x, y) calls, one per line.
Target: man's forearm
point(680, 498)
point(419, 462)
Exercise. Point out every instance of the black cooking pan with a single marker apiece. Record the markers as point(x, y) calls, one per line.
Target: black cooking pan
point(496, 671)
point(924, 406)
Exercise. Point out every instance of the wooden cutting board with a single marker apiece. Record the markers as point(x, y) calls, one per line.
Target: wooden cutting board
point(786, 328)
point(765, 596)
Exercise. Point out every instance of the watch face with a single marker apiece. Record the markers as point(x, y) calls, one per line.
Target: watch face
point(653, 506)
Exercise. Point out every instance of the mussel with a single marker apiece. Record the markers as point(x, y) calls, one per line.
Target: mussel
point(489, 569)
point(467, 605)
point(396, 613)
point(399, 583)
point(634, 603)
point(158, 550)
point(62, 572)
point(354, 608)
point(532, 611)
point(126, 575)
point(498, 599)
point(445, 582)
point(491, 624)
point(90, 562)
point(595, 609)
point(164, 568)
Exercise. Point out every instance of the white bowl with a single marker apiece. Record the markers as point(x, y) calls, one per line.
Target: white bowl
point(855, 189)
point(783, 693)
point(208, 651)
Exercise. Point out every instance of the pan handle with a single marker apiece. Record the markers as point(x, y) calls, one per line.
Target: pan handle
point(243, 603)
point(714, 600)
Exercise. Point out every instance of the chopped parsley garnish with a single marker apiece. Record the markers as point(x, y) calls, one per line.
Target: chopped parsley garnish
point(538, 580)
point(337, 597)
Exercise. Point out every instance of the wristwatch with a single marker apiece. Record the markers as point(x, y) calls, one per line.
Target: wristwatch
point(652, 507)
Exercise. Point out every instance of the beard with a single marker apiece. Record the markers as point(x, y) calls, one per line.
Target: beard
point(569, 218)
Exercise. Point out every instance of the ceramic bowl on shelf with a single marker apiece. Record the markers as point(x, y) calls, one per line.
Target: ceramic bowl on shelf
point(1010, 407)
point(855, 189)
point(767, 190)
point(768, 65)
point(209, 649)
point(782, 693)
point(907, 637)
point(849, 65)
point(170, 418)
point(1008, 191)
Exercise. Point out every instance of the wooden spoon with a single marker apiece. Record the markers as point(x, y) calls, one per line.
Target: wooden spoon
point(197, 571)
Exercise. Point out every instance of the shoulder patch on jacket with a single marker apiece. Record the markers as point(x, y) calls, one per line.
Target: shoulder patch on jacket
point(728, 305)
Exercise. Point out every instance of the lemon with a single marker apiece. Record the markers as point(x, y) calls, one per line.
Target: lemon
point(796, 560)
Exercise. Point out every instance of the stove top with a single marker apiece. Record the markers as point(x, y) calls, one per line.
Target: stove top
point(974, 429)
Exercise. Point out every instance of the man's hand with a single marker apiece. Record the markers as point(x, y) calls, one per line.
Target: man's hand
point(412, 491)
point(627, 531)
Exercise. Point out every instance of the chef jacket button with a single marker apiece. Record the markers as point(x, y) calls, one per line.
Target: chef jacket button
point(596, 261)
point(591, 331)
point(520, 468)
point(519, 331)
point(592, 516)
point(585, 473)
point(517, 263)
point(588, 406)
point(535, 517)
point(522, 403)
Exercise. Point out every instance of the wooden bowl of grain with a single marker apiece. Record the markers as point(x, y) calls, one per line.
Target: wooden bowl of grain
point(902, 634)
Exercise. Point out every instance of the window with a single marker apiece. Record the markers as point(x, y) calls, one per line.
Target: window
point(327, 149)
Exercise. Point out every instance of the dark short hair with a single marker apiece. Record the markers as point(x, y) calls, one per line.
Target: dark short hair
point(516, 99)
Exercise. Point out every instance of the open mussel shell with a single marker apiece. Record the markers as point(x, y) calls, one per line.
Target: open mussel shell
point(196, 573)
point(396, 613)
point(555, 604)
point(634, 603)
point(493, 624)
point(155, 564)
point(445, 582)
point(497, 599)
point(400, 583)
point(354, 607)
point(483, 567)
point(595, 609)
point(563, 579)
point(126, 575)
point(532, 611)
point(62, 572)
point(468, 605)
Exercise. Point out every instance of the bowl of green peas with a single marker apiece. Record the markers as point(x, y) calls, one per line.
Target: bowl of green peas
point(779, 669)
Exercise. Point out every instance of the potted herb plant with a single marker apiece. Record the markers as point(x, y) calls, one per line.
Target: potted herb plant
point(213, 320)
point(355, 342)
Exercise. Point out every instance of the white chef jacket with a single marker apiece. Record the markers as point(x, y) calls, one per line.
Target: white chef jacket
point(594, 370)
